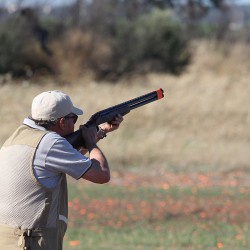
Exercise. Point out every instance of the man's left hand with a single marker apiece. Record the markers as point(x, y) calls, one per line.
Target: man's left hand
point(113, 125)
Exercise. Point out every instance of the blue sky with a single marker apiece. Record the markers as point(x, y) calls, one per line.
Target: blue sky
point(243, 1)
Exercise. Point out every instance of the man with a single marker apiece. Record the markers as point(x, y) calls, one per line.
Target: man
point(34, 162)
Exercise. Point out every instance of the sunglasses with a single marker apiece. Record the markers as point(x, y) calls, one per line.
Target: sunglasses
point(73, 116)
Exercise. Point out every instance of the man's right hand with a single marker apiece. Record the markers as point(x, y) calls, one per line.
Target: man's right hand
point(89, 136)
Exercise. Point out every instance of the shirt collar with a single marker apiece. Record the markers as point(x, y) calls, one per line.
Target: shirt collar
point(32, 124)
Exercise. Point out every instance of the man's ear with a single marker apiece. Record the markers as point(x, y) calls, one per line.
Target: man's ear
point(61, 123)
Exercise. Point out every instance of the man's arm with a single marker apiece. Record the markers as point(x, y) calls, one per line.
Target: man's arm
point(99, 170)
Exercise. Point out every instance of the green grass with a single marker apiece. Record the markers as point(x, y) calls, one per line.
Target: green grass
point(178, 234)
point(115, 217)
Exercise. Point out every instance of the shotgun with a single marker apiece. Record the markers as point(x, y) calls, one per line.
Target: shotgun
point(107, 115)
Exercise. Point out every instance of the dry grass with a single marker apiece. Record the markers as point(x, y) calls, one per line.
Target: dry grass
point(202, 122)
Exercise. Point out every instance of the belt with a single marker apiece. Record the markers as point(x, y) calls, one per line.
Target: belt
point(37, 232)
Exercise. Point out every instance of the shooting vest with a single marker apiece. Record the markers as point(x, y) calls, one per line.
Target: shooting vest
point(26, 207)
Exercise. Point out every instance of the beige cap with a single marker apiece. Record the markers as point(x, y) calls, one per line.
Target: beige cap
point(51, 105)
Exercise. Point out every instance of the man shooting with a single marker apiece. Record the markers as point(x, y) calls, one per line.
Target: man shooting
point(35, 160)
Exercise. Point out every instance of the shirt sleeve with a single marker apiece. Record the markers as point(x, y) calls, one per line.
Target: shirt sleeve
point(55, 156)
point(63, 158)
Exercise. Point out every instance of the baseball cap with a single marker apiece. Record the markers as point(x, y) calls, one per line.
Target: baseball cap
point(51, 105)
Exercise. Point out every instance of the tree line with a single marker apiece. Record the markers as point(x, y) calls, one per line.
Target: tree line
point(110, 38)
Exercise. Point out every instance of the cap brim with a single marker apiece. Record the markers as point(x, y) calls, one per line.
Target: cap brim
point(77, 111)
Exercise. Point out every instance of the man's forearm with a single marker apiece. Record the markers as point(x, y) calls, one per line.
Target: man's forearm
point(96, 154)
point(99, 170)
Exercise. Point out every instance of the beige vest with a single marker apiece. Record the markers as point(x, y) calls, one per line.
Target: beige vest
point(25, 204)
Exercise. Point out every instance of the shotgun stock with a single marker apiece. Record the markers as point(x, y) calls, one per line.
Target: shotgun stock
point(107, 115)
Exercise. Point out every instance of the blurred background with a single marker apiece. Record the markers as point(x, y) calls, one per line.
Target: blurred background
point(180, 165)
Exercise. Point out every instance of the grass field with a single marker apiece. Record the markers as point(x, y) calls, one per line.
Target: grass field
point(180, 166)
point(145, 217)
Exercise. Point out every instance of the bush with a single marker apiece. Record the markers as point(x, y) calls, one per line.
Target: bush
point(12, 46)
point(19, 50)
point(162, 40)
point(152, 42)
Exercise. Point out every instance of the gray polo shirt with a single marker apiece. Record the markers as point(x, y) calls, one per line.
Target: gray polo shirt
point(55, 156)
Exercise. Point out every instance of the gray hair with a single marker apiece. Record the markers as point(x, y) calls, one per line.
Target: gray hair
point(43, 123)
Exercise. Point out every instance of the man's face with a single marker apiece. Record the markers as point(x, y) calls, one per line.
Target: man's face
point(69, 126)
point(66, 124)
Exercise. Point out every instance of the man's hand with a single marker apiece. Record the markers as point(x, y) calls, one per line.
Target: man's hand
point(113, 125)
point(89, 134)
point(89, 137)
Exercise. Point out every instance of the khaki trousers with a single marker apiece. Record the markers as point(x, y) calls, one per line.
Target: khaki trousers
point(39, 239)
